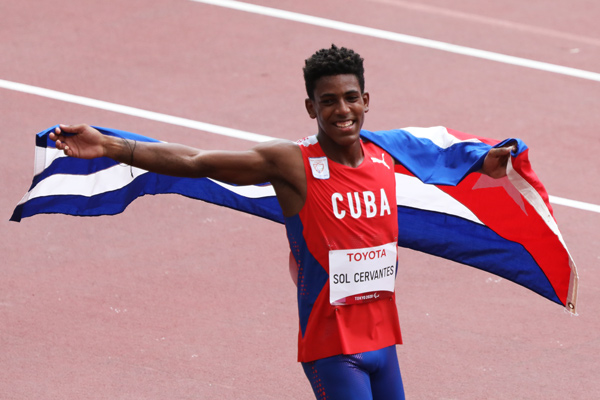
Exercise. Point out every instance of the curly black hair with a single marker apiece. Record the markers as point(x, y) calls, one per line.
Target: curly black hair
point(332, 61)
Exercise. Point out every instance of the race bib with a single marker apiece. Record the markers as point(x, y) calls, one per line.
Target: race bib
point(359, 275)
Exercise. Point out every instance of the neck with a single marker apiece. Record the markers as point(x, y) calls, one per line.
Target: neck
point(350, 155)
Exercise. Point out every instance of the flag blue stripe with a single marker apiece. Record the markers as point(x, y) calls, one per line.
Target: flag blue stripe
point(115, 202)
point(431, 163)
point(73, 166)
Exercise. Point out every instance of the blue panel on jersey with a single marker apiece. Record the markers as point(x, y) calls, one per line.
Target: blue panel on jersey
point(312, 277)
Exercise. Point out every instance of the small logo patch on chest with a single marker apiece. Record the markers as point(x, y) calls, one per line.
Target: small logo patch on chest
point(319, 167)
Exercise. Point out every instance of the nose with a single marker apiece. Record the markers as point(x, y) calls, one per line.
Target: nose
point(343, 108)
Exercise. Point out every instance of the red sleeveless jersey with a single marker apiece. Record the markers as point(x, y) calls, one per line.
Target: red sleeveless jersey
point(344, 241)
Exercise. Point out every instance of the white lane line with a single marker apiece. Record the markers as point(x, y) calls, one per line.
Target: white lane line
point(136, 112)
point(574, 204)
point(188, 123)
point(401, 38)
point(479, 19)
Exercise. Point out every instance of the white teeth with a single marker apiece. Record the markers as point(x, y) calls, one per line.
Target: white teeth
point(344, 124)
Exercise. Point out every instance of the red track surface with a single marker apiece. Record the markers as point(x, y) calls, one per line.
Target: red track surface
point(177, 299)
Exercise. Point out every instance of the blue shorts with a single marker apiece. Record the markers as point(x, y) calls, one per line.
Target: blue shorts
point(364, 376)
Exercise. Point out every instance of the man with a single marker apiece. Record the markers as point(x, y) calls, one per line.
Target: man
point(337, 194)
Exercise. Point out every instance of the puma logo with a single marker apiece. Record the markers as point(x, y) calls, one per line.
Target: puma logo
point(382, 161)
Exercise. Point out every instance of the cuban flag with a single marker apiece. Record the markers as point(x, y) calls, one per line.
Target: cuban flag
point(445, 208)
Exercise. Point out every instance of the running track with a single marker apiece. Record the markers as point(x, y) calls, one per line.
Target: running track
point(176, 299)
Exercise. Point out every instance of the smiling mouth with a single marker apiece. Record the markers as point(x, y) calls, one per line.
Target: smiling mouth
point(344, 124)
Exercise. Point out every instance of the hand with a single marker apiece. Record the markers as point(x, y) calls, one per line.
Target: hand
point(80, 141)
point(494, 164)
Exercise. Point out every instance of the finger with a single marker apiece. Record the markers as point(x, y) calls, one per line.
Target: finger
point(54, 135)
point(64, 147)
point(60, 145)
point(503, 151)
point(512, 146)
point(73, 129)
point(68, 128)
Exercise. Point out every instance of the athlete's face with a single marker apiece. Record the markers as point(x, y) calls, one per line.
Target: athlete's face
point(339, 108)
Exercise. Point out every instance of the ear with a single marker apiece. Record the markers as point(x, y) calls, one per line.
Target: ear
point(310, 108)
point(366, 97)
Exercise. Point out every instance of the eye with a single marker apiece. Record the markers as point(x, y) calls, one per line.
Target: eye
point(353, 99)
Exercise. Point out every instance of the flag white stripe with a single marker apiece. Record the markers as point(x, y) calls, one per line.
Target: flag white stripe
point(46, 156)
point(107, 180)
point(250, 191)
point(110, 179)
point(413, 193)
point(439, 135)
point(533, 197)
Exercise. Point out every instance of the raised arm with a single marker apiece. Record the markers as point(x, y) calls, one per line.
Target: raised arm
point(494, 164)
point(278, 161)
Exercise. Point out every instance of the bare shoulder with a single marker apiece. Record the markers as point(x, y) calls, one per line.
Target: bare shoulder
point(278, 148)
point(286, 173)
point(281, 154)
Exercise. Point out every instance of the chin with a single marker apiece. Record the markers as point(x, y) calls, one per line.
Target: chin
point(347, 138)
point(342, 137)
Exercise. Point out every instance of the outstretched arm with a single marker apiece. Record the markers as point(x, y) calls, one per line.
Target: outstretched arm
point(278, 161)
point(239, 167)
